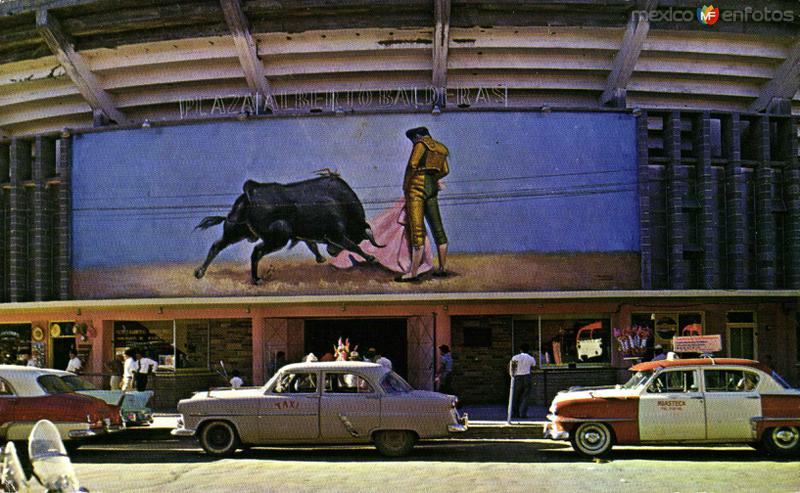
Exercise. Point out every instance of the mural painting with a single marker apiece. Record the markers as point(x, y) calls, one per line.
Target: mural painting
point(512, 202)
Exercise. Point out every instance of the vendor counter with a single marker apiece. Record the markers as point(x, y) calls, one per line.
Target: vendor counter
point(171, 386)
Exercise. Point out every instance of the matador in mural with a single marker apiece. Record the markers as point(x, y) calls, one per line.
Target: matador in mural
point(426, 166)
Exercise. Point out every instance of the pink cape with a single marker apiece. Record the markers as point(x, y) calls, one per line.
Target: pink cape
point(388, 227)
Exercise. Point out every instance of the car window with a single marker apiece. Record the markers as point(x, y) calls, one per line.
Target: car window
point(392, 383)
point(674, 381)
point(296, 383)
point(346, 383)
point(730, 380)
point(637, 379)
point(51, 384)
point(5, 388)
point(77, 383)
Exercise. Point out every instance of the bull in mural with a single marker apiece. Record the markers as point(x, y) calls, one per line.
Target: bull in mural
point(320, 210)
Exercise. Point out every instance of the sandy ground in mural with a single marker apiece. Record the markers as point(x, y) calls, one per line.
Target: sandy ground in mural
point(302, 276)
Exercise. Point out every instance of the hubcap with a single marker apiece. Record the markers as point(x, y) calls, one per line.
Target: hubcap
point(218, 437)
point(786, 437)
point(592, 437)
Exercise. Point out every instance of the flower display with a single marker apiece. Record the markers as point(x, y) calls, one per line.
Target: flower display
point(633, 340)
point(342, 350)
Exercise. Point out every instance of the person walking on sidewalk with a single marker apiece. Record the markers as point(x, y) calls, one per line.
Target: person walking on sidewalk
point(519, 368)
point(445, 372)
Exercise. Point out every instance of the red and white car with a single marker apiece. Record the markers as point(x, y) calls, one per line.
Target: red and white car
point(708, 400)
point(29, 394)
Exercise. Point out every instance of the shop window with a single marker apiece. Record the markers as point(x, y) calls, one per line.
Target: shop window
point(477, 335)
point(172, 343)
point(741, 329)
point(15, 343)
point(665, 326)
point(576, 341)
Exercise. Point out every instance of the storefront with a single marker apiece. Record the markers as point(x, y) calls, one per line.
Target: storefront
point(579, 338)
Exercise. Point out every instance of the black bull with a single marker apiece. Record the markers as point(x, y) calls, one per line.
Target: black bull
point(320, 210)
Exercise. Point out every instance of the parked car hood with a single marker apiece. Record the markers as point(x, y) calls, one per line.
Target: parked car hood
point(612, 393)
point(230, 393)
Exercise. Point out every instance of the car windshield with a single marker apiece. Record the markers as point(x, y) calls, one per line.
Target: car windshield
point(77, 383)
point(783, 383)
point(392, 383)
point(53, 385)
point(638, 378)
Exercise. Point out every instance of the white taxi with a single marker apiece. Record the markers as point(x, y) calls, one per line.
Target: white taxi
point(708, 400)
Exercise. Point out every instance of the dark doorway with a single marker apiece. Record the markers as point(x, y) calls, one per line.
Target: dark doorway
point(387, 335)
point(61, 349)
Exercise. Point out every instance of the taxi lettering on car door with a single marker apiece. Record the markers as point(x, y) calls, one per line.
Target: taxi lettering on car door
point(672, 407)
point(290, 409)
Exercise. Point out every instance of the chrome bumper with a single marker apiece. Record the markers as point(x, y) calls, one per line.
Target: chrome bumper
point(461, 426)
point(552, 433)
point(182, 432)
point(84, 433)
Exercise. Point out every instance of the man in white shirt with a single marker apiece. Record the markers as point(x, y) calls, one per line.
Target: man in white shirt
point(520, 368)
point(383, 361)
point(129, 369)
point(74, 364)
point(146, 367)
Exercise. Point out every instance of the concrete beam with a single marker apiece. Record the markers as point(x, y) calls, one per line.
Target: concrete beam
point(627, 56)
point(784, 84)
point(50, 31)
point(246, 50)
point(441, 41)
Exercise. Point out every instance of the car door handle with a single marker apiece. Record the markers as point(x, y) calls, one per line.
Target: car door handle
point(697, 397)
point(752, 397)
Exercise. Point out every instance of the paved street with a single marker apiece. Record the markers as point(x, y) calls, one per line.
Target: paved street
point(468, 464)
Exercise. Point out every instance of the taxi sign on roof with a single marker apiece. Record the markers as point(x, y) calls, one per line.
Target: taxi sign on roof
point(697, 344)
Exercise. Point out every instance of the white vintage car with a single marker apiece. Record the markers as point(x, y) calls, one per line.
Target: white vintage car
point(709, 400)
point(320, 403)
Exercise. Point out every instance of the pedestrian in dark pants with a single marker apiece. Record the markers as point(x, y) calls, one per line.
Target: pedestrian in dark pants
point(146, 367)
point(520, 368)
point(445, 373)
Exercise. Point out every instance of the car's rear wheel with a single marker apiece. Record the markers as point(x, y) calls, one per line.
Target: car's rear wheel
point(592, 439)
point(219, 438)
point(782, 440)
point(394, 443)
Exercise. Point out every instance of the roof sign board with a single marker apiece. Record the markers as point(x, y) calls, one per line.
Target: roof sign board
point(697, 344)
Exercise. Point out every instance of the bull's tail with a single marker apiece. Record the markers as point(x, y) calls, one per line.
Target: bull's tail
point(210, 221)
point(371, 238)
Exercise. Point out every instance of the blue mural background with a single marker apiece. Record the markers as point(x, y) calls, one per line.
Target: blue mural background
point(519, 182)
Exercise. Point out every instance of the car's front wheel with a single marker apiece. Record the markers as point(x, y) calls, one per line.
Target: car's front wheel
point(782, 440)
point(394, 443)
point(219, 438)
point(592, 439)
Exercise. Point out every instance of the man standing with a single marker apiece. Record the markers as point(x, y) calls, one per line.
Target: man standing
point(520, 368)
point(117, 368)
point(130, 368)
point(75, 365)
point(444, 376)
point(146, 367)
point(426, 166)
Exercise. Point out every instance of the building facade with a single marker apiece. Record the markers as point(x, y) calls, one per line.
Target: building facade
point(617, 179)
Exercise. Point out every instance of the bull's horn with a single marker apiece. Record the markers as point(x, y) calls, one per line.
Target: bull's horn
point(371, 238)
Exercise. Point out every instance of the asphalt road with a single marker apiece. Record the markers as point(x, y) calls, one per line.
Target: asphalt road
point(467, 464)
